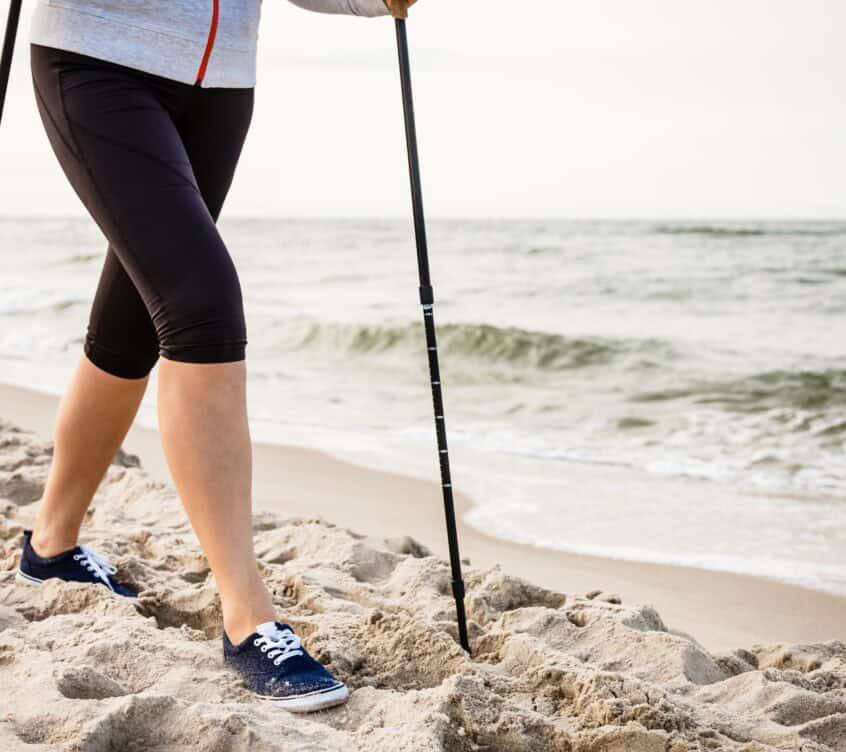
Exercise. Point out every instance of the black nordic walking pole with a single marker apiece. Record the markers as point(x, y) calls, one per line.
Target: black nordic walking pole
point(8, 48)
point(399, 9)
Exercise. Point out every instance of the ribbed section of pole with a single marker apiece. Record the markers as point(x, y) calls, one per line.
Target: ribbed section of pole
point(8, 48)
point(427, 300)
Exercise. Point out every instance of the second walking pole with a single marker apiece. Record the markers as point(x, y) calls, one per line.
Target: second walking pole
point(399, 9)
point(8, 48)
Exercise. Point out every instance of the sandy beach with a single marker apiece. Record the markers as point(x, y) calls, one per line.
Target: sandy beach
point(723, 610)
point(570, 653)
point(628, 367)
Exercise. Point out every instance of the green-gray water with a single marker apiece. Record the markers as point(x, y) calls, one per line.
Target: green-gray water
point(699, 352)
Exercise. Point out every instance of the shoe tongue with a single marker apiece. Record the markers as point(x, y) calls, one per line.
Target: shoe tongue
point(268, 628)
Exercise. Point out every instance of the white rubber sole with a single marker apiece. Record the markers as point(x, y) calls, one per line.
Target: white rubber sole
point(25, 579)
point(311, 702)
point(28, 579)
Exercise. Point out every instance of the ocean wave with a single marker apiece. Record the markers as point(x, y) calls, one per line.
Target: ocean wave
point(485, 343)
point(742, 231)
point(799, 390)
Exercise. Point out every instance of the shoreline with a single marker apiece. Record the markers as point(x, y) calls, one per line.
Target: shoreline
point(724, 610)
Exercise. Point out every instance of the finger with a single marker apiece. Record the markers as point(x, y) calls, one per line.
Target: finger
point(399, 8)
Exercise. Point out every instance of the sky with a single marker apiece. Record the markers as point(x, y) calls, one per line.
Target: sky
point(613, 108)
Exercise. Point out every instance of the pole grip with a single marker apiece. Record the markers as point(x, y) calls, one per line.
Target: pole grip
point(399, 8)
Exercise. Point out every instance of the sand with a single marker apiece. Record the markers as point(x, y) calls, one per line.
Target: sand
point(580, 671)
point(723, 610)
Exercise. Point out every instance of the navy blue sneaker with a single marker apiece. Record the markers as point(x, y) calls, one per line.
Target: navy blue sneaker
point(274, 664)
point(79, 564)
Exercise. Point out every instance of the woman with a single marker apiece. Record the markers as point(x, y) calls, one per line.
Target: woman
point(146, 105)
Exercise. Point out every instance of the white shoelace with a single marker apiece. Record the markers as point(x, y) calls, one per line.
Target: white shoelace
point(278, 644)
point(96, 563)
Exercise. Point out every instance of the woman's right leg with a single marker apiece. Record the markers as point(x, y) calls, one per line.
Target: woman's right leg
point(114, 133)
point(206, 437)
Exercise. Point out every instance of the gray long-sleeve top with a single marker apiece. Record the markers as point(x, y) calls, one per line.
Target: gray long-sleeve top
point(211, 43)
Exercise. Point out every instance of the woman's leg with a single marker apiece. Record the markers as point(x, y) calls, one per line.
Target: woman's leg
point(203, 423)
point(114, 132)
point(219, 503)
point(95, 413)
point(97, 408)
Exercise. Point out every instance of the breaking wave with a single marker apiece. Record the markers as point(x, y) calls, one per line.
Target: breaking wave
point(797, 390)
point(482, 343)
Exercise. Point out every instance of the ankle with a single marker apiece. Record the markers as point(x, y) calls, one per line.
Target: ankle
point(238, 630)
point(243, 613)
point(48, 543)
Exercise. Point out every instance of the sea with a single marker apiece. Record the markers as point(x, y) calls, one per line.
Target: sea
point(660, 391)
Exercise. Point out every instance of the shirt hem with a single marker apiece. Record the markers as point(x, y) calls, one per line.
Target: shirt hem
point(160, 53)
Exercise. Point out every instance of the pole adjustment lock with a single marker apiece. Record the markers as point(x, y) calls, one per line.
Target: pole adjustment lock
point(427, 295)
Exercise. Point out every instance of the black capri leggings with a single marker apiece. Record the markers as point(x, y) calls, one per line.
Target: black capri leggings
point(152, 160)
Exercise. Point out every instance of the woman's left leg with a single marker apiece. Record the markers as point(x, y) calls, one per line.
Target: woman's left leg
point(97, 408)
point(94, 416)
point(152, 161)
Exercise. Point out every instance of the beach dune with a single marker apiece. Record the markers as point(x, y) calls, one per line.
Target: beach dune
point(577, 671)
